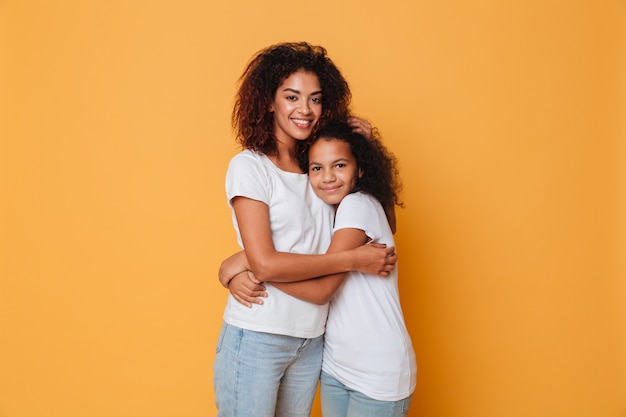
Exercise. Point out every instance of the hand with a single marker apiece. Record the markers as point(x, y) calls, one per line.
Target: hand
point(376, 259)
point(361, 126)
point(232, 266)
point(246, 289)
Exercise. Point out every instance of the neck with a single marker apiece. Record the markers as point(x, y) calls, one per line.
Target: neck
point(285, 156)
point(286, 160)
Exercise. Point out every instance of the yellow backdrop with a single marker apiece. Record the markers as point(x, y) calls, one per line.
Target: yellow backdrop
point(507, 119)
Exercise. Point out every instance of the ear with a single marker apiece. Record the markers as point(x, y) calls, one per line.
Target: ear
point(360, 173)
point(271, 109)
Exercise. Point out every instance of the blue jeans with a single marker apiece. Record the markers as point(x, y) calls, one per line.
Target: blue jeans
point(340, 401)
point(265, 375)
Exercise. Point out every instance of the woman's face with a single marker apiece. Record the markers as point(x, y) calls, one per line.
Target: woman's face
point(333, 170)
point(297, 106)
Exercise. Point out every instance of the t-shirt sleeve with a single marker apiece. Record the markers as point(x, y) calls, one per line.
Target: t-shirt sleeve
point(246, 177)
point(358, 212)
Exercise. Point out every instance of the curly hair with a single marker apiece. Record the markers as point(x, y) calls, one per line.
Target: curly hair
point(252, 122)
point(380, 175)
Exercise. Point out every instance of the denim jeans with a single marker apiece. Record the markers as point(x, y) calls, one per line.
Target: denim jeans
point(265, 375)
point(340, 401)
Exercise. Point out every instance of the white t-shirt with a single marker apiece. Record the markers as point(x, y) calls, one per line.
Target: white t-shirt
point(300, 223)
point(367, 346)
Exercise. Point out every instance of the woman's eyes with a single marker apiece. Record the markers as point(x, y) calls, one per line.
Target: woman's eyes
point(316, 100)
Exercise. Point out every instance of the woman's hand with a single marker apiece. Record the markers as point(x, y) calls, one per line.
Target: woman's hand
point(361, 126)
point(375, 258)
point(246, 289)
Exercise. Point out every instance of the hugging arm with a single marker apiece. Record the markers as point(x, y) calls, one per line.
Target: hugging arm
point(269, 264)
point(248, 290)
point(320, 290)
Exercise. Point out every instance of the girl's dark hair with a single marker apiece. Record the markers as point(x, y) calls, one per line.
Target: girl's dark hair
point(380, 175)
point(251, 120)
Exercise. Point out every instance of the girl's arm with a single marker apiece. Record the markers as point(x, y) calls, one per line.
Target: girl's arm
point(271, 265)
point(390, 211)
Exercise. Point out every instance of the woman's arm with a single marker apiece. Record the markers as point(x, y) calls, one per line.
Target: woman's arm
point(247, 290)
point(271, 265)
point(321, 290)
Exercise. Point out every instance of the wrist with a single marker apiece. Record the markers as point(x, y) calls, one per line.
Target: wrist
point(227, 282)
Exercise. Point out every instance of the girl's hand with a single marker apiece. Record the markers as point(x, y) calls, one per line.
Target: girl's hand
point(361, 126)
point(246, 289)
point(376, 259)
point(232, 266)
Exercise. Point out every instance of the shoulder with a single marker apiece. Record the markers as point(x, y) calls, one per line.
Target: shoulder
point(246, 156)
point(247, 169)
point(247, 160)
point(363, 211)
point(358, 207)
point(359, 199)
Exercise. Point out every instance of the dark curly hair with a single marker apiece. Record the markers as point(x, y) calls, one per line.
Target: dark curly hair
point(380, 174)
point(252, 122)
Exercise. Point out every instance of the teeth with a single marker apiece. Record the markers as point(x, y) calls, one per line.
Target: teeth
point(301, 122)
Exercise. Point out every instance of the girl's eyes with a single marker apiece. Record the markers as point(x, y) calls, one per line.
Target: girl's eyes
point(317, 169)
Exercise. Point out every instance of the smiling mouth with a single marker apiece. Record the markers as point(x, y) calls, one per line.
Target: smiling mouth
point(330, 190)
point(302, 122)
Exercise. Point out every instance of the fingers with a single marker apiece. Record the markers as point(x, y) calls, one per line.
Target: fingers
point(390, 262)
point(248, 299)
point(360, 126)
point(242, 301)
point(252, 278)
point(224, 280)
point(246, 289)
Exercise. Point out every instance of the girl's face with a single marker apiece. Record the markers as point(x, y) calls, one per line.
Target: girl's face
point(297, 106)
point(333, 170)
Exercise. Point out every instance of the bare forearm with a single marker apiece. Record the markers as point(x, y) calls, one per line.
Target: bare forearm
point(317, 290)
point(289, 267)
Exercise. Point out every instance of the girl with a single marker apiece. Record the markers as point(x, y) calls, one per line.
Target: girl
point(268, 359)
point(369, 363)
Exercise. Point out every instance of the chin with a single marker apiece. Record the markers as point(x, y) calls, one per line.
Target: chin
point(302, 135)
point(331, 202)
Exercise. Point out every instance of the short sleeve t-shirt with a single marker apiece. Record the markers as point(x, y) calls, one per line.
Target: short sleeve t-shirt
point(300, 223)
point(367, 346)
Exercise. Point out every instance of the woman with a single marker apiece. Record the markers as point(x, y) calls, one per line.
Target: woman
point(268, 359)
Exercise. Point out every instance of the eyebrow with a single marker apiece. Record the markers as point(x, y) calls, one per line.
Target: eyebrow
point(293, 90)
point(334, 162)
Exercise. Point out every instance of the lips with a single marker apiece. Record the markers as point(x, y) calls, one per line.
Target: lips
point(330, 190)
point(302, 122)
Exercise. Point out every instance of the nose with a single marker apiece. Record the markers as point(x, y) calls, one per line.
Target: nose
point(328, 176)
point(305, 107)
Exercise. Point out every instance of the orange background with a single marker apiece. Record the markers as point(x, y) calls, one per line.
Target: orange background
point(507, 119)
